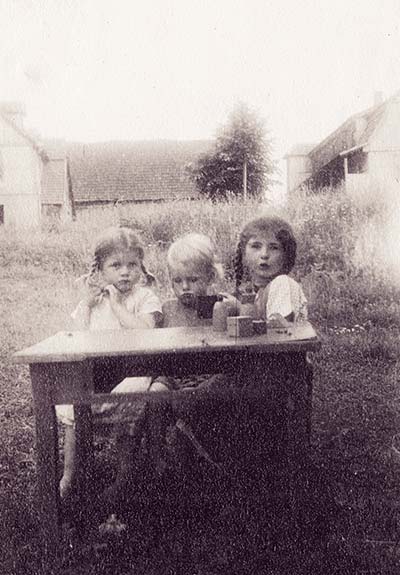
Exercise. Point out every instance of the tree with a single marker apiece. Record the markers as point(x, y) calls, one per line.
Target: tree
point(240, 162)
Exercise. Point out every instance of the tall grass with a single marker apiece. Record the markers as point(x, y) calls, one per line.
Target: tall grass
point(347, 266)
point(342, 262)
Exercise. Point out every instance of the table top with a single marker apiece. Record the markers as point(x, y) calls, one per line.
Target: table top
point(80, 345)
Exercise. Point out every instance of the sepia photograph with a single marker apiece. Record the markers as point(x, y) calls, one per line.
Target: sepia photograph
point(199, 287)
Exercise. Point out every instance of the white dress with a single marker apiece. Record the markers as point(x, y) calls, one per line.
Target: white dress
point(142, 300)
point(283, 295)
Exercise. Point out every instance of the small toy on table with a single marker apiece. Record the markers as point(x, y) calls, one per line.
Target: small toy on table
point(240, 326)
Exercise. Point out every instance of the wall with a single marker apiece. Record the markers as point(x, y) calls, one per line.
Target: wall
point(298, 170)
point(20, 182)
point(387, 134)
point(384, 149)
point(384, 167)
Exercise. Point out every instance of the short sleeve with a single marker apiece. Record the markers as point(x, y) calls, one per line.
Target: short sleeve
point(144, 301)
point(279, 297)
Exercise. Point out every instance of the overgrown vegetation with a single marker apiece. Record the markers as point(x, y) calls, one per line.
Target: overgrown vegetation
point(353, 289)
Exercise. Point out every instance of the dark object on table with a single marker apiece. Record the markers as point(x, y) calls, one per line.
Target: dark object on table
point(205, 305)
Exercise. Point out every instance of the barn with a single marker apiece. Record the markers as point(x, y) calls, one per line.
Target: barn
point(140, 171)
point(362, 153)
point(33, 180)
point(57, 178)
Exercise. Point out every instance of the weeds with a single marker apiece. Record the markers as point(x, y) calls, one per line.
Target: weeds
point(353, 292)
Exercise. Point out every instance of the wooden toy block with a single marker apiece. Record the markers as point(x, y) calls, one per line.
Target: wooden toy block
point(240, 326)
point(259, 326)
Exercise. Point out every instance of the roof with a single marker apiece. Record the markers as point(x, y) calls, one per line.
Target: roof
point(53, 181)
point(7, 111)
point(145, 170)
point(355, 132)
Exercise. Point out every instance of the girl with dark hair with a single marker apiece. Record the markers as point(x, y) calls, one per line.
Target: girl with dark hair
point(265, 255)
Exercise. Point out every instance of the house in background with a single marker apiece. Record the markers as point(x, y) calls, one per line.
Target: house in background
point(33, 181)
point(55, 178)
point(298, 166)
point(364, 152)
point(127, 172)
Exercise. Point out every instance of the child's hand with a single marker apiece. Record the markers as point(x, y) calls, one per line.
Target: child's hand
point(231, 301)
point(113, 294)
point(276, 320)
point(92, 290)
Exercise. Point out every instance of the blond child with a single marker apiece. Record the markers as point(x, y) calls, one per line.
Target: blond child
point(117, 295)
point(194, 270)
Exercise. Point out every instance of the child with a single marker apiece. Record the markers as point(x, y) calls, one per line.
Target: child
point(193, 271)
point(114, 299)
point(266, 253)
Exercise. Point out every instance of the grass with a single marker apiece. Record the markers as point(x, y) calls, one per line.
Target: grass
point(354, 302)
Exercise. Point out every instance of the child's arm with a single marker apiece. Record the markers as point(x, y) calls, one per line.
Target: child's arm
point(126, 318)
point(277, 320)
point(231, 301)
point(92, 292)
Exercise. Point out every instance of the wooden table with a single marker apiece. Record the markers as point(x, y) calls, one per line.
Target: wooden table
point(82, 367)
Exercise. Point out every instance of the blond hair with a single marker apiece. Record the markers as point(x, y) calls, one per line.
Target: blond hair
point(195, 250)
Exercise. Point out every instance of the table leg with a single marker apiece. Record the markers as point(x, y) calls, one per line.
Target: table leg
point(47, 467)
point(299, 430)
point(300, 404)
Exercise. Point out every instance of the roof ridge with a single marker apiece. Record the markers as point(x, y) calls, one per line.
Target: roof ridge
point(364, 113)
point(25, 134)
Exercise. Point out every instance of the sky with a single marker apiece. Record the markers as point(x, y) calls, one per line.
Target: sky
point(95, 70)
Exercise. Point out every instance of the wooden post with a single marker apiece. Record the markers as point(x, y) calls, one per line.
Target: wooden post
point(47, 467)
point(68, 207)
point(245, 180)
point(346, 168)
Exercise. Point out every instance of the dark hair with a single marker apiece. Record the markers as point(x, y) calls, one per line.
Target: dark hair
point(283, 232)
point(114, 239)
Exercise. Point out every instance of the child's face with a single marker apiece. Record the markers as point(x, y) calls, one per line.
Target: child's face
point(122, 269)
point(188, 282)
point(264, 257)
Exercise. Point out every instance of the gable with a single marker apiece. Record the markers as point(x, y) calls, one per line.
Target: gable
point(12, 135)
point(354, 132)
point(387, 135)
point(9, 136)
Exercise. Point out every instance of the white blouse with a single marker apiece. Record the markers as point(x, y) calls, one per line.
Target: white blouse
point(283, 296)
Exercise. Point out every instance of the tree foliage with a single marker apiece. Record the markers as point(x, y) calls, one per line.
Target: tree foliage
point(241, 146)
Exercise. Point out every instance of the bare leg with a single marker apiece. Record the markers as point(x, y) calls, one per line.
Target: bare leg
point(69, 461)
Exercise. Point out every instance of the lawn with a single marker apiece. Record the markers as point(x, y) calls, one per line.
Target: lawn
point(352, 518)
